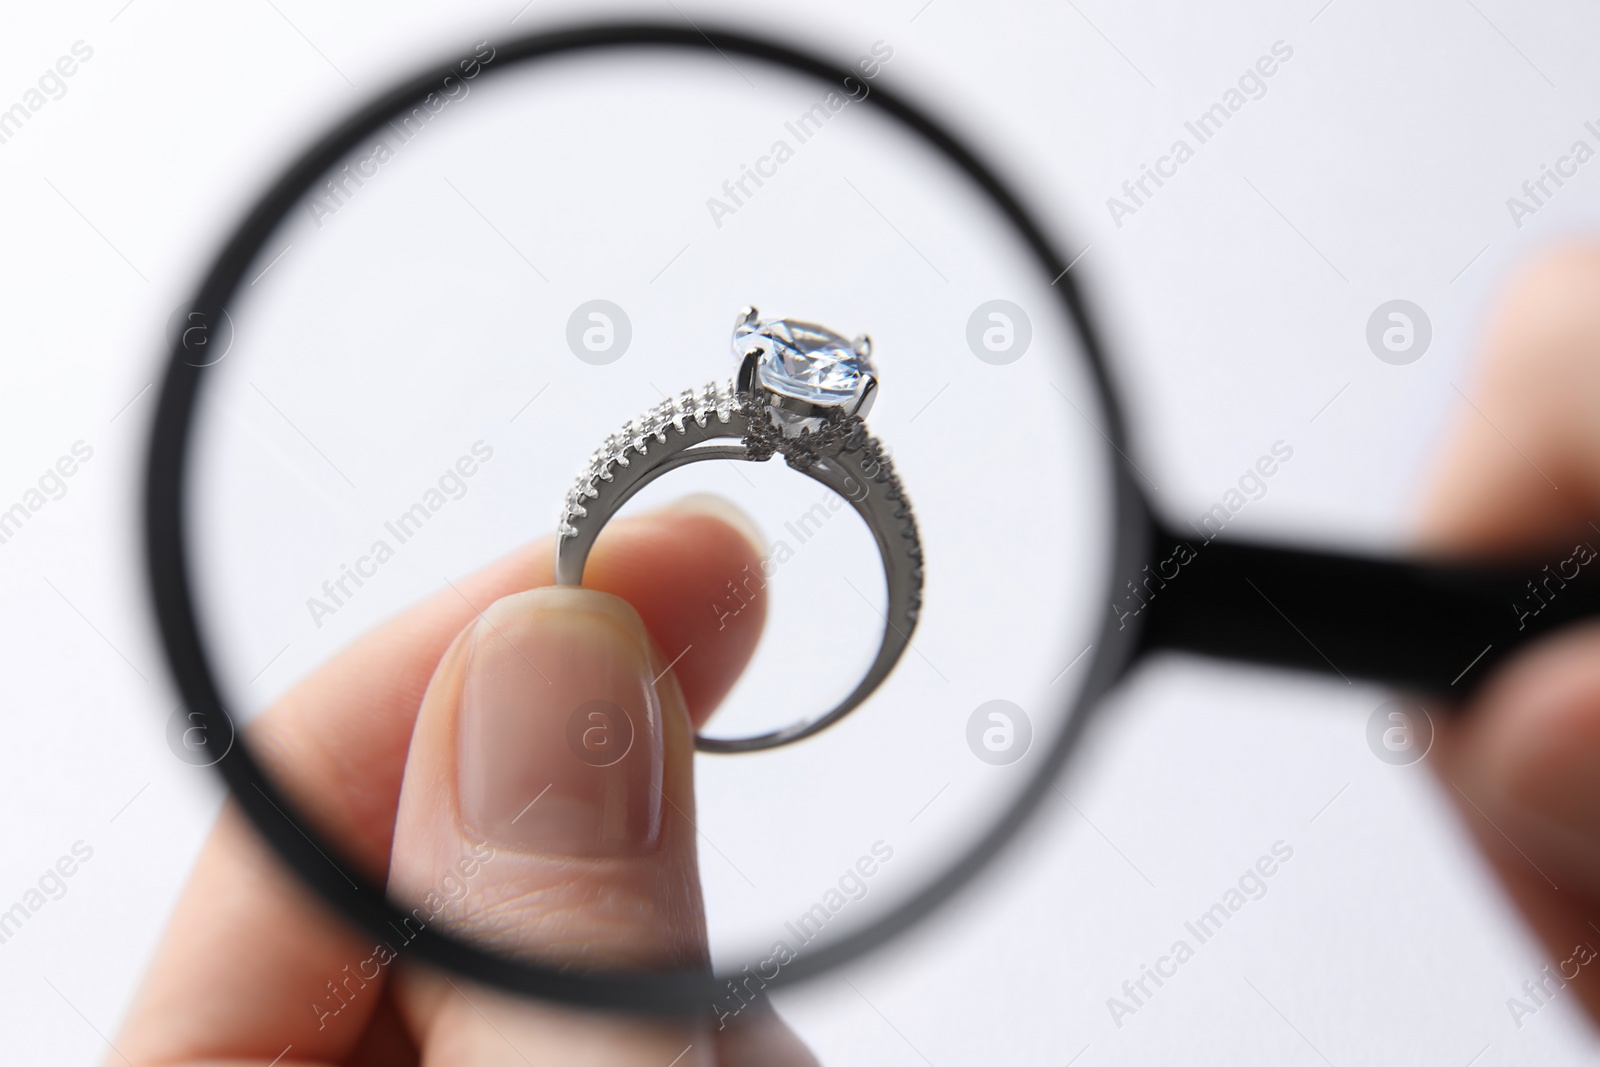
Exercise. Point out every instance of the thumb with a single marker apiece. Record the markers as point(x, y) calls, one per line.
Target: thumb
point(1527, 759)
point(546, 811)
point(1528, 755)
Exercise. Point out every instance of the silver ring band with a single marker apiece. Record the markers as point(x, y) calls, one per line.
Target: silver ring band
point(730, 423)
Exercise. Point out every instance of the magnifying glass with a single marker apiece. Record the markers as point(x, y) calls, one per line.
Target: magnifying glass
point(513, 296)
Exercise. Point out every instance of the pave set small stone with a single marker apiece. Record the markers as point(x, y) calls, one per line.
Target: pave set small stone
point(715, 401)
point(762, 439)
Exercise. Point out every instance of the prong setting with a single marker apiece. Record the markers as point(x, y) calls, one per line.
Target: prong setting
point(744, 325)
point(807, 375)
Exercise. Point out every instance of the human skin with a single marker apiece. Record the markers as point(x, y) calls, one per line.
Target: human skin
point(1521, 475)
point(366, 743)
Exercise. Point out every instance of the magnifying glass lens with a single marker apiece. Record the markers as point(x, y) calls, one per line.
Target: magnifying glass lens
point(420, 369)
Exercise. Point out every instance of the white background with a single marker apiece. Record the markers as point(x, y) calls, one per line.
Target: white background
point(1377, 166)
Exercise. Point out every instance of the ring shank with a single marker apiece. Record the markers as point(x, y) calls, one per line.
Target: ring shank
point(859, 472)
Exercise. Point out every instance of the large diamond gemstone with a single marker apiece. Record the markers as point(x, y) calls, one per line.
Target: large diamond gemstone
point(807, 362)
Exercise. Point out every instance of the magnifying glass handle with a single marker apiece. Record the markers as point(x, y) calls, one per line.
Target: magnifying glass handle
point(1431, 627)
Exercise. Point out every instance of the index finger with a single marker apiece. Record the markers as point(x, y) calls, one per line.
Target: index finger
point(1523, 467)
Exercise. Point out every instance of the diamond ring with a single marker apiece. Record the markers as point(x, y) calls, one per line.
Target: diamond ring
point(801, 392)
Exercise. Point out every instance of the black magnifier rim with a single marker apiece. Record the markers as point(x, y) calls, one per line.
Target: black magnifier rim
point(317, 861)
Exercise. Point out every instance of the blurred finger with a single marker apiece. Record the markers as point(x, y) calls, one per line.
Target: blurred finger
point(1526, 770)
point(1523, 474)
point(1522, 470)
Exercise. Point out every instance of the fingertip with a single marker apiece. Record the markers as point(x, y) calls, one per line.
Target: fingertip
point(547, 798)
point(1524, 427)
point(1529, 751)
